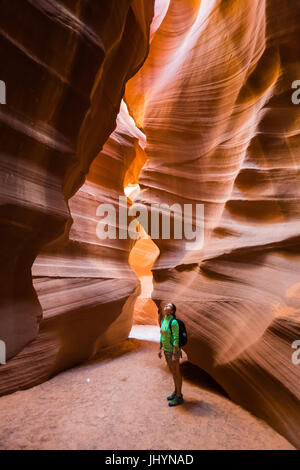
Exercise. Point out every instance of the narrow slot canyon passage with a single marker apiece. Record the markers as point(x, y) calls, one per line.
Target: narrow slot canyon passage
point(141, 259)
point(119, 400)
point(184, 103)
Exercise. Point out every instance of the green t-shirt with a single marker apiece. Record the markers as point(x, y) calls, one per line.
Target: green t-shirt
point(165, 333)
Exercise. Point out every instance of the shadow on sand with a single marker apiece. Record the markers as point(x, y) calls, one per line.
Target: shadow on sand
point(197, 407)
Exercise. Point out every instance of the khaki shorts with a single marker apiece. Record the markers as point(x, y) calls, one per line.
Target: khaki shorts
point(168, 356)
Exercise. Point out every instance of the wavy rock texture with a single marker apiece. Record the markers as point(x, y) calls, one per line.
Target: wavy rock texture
point(214, 100)
point(65, 65)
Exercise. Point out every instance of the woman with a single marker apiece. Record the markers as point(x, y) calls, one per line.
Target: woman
point(170, 344)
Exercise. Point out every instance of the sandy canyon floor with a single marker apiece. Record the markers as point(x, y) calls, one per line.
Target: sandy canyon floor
point(119, 402)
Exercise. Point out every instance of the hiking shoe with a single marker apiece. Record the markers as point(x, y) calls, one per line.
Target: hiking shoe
point(171, 397)
point(176, 401)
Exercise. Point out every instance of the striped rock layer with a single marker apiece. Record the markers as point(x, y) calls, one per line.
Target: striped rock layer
point(214, 101)
point(65, 293)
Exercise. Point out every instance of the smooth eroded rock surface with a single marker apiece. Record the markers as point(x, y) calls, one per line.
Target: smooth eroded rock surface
point(65, 66)
point(214, 100)
point(214, 125)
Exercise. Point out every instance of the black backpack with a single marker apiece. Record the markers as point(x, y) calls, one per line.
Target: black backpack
point(182, 331)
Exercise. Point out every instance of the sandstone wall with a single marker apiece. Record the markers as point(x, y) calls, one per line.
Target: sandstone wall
point(65, 65)
point(214, 100)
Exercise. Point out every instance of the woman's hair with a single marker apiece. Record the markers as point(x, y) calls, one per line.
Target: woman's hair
point(174, 310)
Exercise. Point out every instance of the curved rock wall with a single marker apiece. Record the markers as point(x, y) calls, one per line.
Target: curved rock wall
point(65, 65)
point(214, 100)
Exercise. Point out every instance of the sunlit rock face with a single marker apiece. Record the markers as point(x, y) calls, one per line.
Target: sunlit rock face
point(214, 100)
point(141, 259)
point(65, 65)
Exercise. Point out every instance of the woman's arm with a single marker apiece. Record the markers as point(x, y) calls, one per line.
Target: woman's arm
point(160, 341)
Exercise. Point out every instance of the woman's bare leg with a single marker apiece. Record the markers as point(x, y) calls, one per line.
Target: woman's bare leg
point(177, 377)
point(173, 375)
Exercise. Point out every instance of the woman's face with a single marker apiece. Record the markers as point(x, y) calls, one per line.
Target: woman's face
point(168, 309)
